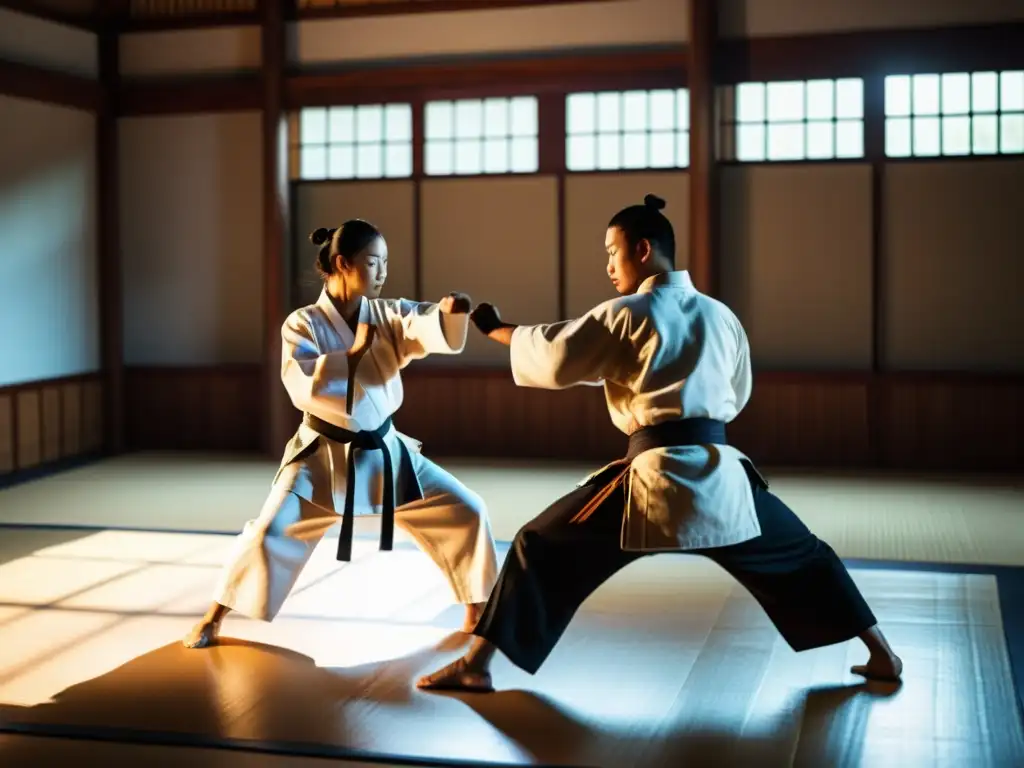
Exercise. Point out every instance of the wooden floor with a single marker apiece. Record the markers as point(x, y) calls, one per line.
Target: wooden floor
point(669, 664)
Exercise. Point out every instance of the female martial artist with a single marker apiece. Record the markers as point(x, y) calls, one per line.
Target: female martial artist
point(675, 365)
point(341, 359)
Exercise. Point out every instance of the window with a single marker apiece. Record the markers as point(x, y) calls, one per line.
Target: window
point(980, 113)
point(371, 141)
point(473, 136)
point(617, 130)
point(796, 120)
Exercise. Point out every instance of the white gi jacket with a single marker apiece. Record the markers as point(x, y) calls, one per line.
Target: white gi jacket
point(665, 353)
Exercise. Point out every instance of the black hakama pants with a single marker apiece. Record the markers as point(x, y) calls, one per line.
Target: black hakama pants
point(555, 564)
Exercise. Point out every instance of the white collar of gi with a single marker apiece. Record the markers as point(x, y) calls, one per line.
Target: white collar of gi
point(680, 279)
point(325, 303)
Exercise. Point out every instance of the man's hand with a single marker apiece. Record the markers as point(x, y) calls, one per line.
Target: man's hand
point(455, 303)
point(486, 318)
point(365, 334)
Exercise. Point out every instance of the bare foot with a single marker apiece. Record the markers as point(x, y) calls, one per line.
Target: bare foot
point(203, 634)
point(457, 676)
point(473, 613)
point(886, 668)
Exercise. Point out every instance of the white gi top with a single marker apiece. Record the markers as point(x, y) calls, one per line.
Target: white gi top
point(667, 352)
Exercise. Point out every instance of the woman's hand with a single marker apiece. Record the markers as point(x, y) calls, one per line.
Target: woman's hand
point(455, 303)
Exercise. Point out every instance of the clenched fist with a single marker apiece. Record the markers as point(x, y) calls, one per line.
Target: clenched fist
point(455, 303)
point(486, 318)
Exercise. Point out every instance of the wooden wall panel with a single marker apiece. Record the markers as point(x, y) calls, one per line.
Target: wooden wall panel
point(45, 424)
point(926, 422)
point(215, 408)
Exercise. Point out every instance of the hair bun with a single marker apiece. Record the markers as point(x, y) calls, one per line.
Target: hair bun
point(320, 236)
point(653, 201)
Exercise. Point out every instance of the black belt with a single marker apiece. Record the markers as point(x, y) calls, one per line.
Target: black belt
point(695, 431)
point(372, 440)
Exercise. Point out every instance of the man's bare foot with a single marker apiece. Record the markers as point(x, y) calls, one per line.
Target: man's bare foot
point(457, 676)
point(203, 634)
point(473, 613)
point(887, 668)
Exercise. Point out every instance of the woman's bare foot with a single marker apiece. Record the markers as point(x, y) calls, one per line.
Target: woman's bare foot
point(473, 613)
point(460, 675)
point(203, 634)
point(884, 667)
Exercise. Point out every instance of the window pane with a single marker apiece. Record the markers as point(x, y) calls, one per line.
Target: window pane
point(785, 101)
point(985, 134)
point(897, 137)
point(634, 111)
point(341, 161)
point(580, 153)
point(469, 121)
point(956, 94)
point(313, 126)
point(1011, 97)
point(683, 109)
point(786, 141)
point(370, 123)
point(608, 151)
point(634, 150)
point(926, 136)
point(1011, 134)
point(663, 149)
point(369, 161)
point(398, 122)
point(750, 102)
point(524, 116)
point(956, 135)
point(663, 110)
point(440, 120)
point(849, 139)
point(926, 96)
point(496, 118)
point(524, 154)
point(398, 160)
point(897, 95)
point(850, 98)
point(439, 158)
point(750, 142)
point(469, 156)
point(580, 111)
point(608, 113)
point(314, 163)
point(820, 99)
point(341, 124)
point(496, 155)
point(819, 140)
point(984, 91)
point(683, 149)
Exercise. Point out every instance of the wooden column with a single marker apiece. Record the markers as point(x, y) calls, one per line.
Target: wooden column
point(276, 408)
point(109, 237)
point(874, 151)
point(703, 172)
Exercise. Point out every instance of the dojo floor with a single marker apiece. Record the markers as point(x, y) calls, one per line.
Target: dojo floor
point(104, 568)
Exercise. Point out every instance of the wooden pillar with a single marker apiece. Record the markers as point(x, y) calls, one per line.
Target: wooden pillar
point(276, 408)
point(704, 202)
point(109, 238)
point(874, 151)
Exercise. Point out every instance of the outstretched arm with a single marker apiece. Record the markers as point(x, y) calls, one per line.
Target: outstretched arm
point(424, 328)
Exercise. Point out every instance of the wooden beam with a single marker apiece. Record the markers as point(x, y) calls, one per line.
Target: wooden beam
point(404, 7)
point(233, 93)
point(703, 172)
point(275, 223)
point(109, 230)
point(27, 82)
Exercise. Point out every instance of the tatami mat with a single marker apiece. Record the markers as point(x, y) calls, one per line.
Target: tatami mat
point(669, 664)
point(884, 517)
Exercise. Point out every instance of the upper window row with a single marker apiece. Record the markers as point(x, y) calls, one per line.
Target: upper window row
point(925, 115)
